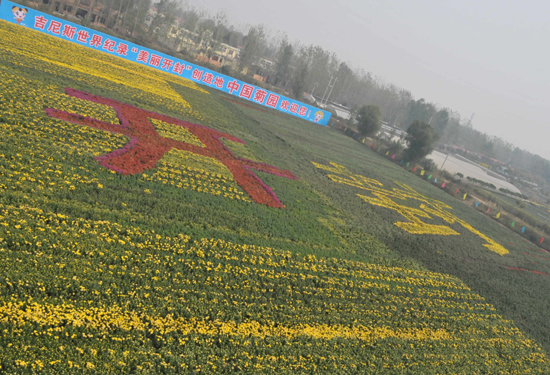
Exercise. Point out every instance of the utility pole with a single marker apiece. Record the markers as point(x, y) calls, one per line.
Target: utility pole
point(395, 122)
point(330, 92)
point(329, 82)
point(314, 87)
point(448, 151)
point(470, 121)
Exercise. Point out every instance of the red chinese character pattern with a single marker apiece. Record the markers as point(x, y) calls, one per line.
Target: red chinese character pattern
point(143, 56)
point(284, 105)
point(302, 111)
point(55, 27)
point(208, 77)
point(69, 31)
point(294, 107)
point(96, 41)
point(122, 49)
point(166, 64)
point(178, 68)
point(147, 147)
point(246, 92)
point(233, 86)
point(109, 45)
point(272, 100)
point(155, 60)
point(197, 74)
point(82, 36)
point(40, 22)
point(218, 82)
point(259, 96)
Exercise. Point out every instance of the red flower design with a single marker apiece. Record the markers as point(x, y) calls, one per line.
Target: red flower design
point(147, 147)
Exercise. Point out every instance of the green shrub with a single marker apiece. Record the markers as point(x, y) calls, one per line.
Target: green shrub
point(428, 164)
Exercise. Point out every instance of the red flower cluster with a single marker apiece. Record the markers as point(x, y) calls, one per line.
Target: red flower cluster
point(523, 269)
point(534, 255)
point(147, 147)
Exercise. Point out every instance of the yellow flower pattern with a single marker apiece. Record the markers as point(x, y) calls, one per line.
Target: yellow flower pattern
point(384, 197)
point(80, 293)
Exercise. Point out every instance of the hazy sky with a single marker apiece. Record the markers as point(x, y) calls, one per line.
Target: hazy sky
point(489, 57)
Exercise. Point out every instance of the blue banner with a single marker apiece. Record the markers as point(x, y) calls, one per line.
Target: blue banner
point(78, 34)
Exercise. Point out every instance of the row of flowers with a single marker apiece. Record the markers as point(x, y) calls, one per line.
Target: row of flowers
point(186, 170)
point(98, 286)
point(100, 279)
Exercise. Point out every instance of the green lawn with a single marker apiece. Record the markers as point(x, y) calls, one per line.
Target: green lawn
point(177, 268)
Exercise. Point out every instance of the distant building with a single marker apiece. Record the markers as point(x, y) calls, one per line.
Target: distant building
point(201, 46)
point(266, 63)
point(151, 14)
point(78, 9)
point(310, 98)
point(226, 55)
point(340, 111)
point(387, 128)
point(220, 55)
point(532, 184)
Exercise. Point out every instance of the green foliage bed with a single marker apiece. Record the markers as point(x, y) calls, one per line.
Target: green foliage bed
point(178, 269)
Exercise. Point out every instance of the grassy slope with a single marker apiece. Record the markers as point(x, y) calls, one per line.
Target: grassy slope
point(521, 296)
point(321, 217)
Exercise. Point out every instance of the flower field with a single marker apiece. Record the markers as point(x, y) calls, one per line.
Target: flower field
point(148, 225)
